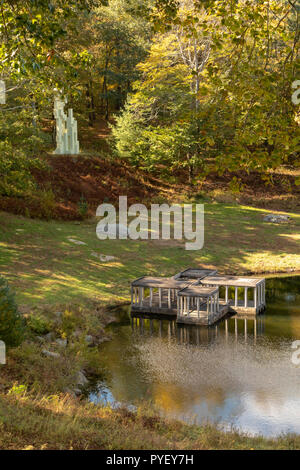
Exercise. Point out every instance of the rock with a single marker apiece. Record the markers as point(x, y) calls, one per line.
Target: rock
point(62, 342)
point(106, 258)
point(276, 218)
point(102, 257)
point(49, 336)
point(47, 353)
point(77, 242)
point(41, 339)
point(89, 339)
point(81, 378)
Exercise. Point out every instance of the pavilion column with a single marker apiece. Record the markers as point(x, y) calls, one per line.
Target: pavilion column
point(255, 297)
point(218, 302)
point(151, 296)
point(131, 291)
point(135, 295)
point(169, 298)
point(198, 306)
point(159, 296)
point(235, 296)
point(246, 297)
point(141, 296)
point(188, 306)
point(207, 300)
point(226, 294)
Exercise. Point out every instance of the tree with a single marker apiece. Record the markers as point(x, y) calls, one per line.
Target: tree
point(11, 322)
point(238, 60)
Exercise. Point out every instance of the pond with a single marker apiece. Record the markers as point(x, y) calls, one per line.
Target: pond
point(238, 374)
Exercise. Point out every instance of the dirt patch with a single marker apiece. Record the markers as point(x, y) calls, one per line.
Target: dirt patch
point(93, 180)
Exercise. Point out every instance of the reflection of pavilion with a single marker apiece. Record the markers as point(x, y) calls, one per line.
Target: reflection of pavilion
point(233, 328)
point(193, 296)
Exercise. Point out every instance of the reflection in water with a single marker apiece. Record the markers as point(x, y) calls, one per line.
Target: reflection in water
point(238, 372)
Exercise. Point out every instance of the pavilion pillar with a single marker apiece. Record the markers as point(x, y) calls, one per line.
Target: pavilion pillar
point(151, 296)
point(246, 297)
point(235, 296)
point(255, 297)
point(188, 306)
point(226, 294)
point(159, 297)
point(141, 296)
point(131, 292)
point(169, 298)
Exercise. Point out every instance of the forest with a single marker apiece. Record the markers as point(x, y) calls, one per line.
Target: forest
point(184, 91)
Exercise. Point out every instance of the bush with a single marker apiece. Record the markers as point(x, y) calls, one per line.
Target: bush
point(11, 321)
point(15, 175)
point(38, 324)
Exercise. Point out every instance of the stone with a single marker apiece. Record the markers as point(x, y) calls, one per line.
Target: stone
point(276, 218)
point(47, 353)
point(41, 339)
point(81, 379)
point(102, 257)
point(77, 242)
point(62, 342)
point(66, 129)
point(89, 339)
point(49, 336)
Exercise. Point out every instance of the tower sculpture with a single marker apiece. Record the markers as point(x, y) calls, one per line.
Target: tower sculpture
point(2, 92)
point(66, 129)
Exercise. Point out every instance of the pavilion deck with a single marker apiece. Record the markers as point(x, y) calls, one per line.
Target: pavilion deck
point(193, 296)
point(236, 305)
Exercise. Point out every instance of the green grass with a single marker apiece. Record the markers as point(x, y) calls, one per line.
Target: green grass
point(44, 267)
point(60, 422)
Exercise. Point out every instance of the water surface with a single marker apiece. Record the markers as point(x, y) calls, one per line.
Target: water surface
point(239, 374)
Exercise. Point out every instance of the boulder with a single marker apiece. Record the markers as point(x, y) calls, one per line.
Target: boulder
point(51, 354)
point(277, 218)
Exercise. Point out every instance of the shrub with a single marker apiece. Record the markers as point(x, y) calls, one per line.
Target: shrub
point(15, 175)
point(38, 324)
point(11, 321)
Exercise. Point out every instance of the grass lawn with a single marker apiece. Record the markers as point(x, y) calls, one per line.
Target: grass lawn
point(45, 268)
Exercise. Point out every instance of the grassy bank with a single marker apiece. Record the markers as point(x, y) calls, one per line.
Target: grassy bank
point(45, 267)
point(62, 422)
